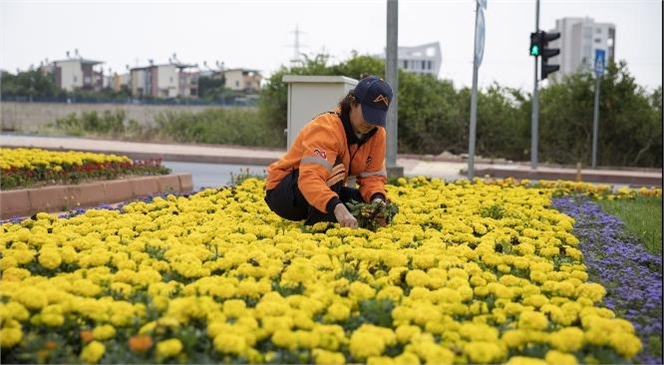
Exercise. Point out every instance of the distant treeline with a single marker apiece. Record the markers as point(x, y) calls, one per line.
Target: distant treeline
point(434, 118)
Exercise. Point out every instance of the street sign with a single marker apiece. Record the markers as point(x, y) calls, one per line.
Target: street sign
point(599, 62)
point(479, 37)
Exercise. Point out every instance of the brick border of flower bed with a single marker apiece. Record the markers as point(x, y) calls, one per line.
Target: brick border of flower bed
point(58, 198)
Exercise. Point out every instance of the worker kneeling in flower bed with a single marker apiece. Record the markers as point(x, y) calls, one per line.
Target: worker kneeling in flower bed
point(309, 181)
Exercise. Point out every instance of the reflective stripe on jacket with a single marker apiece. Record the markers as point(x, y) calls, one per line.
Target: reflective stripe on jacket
point(322, 144)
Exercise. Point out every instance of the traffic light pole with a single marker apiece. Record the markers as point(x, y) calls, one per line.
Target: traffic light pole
point(535, 107)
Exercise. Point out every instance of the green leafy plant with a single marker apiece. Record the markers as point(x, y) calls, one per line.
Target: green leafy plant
point(374, 214)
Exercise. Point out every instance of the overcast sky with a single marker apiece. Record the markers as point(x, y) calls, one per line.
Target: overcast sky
point(261, 34)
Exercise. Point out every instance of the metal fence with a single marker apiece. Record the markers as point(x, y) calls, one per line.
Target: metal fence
point(230, 101)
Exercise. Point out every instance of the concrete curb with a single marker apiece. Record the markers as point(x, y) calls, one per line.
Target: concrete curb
point(632, 178)
point(58, 198)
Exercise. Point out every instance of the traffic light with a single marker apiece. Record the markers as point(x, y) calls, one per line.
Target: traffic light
point(535, 44)
point(547, 53)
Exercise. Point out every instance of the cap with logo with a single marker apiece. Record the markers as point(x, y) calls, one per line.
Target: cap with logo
point(375, 96)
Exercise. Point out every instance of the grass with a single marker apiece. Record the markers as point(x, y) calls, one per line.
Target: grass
point(642, 216)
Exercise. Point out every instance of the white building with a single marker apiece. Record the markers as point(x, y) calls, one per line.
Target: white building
point(164, 81)
point(241, 79)
point(579, 38)
point(77, 73)
point(422, 59)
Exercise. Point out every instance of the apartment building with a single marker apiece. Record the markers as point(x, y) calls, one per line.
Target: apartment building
point(77, 72)
point(172, 80)
point(579, 38)
point(243, 80)
point(422, 59)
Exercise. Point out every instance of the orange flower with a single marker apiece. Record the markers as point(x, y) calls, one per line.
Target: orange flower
point(140, 343)
point(87, 336)
point(51, 345)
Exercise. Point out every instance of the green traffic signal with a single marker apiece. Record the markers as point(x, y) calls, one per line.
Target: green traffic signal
point(534, 50)
point(535, 44)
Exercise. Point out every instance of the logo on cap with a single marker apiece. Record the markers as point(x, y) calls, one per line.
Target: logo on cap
point(382, 98)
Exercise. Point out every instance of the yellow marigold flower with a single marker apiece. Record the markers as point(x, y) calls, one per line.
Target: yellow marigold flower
point(299, 271)
point(478, 332)
point(103, 332)
point(364, 344)
point(13, 310)
point(49, 258)
point(93, 352)
point(424, 262)
point(405, 332)
point(407, 358)
point(557, 357)
point(337, 312)
point(391, 292)
point(525, 360)
point(417, 278)
point(625, 344)
point(481, 352)
point(567, 339)
point(477, 280)
point(306, 339)
point(31, 297)
point(235, 307)
point(536, 300)
point(533, 320)
point(168, 348)
point(393, 258)
point(8, 262)
point(10, 336)
point(228, 343)
point(324, 357)
point(514, 338)
point(361, 291)
point(380, 360)
point(565, 289)
point(51, 315)
point(592, 291)
point(581, 275)
point(285, 339)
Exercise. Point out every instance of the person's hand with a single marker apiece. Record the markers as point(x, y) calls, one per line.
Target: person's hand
point(344, 217)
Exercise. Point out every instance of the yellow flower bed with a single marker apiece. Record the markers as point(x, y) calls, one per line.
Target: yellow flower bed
point(33, 158)
point(466, 273)
point(26, 167)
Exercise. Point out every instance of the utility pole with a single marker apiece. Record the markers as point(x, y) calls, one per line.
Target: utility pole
point(392, 78)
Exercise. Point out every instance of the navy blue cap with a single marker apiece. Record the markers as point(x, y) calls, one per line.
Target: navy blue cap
point(375, 95)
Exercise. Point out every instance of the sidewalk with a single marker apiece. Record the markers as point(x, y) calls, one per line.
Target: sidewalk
point(432, 166)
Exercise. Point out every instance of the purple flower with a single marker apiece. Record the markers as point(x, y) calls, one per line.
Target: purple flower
point(631, 275)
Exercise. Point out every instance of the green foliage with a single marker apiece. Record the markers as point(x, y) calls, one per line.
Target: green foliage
point(642, 217)
point(109, 123)
point(630, 121)
point(374, 214)
point(434, 116)
point(495, 211)
point(29, 83)
point(233, 126)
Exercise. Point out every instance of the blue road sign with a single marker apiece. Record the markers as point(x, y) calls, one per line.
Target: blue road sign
point(599, 62)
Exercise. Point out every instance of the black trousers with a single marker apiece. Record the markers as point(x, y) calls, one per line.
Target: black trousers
point(287, 201)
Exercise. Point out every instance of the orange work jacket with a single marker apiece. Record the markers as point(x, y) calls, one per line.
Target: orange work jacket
point(322, 144)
